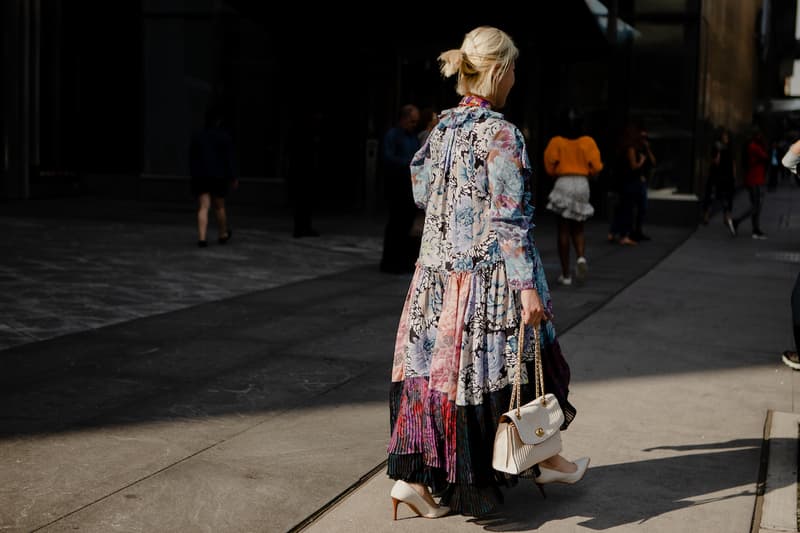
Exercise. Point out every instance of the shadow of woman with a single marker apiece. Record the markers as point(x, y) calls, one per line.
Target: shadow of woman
point(635, 492)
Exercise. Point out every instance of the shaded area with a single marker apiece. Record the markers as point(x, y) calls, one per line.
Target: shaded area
point(134, 371)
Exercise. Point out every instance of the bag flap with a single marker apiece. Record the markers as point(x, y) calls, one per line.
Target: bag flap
point(536, 422)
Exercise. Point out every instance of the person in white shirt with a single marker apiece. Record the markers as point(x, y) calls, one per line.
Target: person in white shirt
point(790, 357)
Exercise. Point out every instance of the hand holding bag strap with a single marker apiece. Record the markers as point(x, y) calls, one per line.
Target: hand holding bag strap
point(539, 387)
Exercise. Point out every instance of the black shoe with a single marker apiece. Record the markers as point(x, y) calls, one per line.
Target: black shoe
point(202, 244)
point(227, 237)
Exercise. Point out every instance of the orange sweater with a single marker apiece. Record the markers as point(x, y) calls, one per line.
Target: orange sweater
point(576, 157)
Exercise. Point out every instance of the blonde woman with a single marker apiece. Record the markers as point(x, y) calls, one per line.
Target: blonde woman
point(478, 274)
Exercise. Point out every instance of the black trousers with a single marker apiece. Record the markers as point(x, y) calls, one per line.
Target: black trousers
point(756, 194)
point(719, 190)
point(400, 249)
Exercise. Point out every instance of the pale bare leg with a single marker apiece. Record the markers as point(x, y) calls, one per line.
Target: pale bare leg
point(578, 239)
point(222, 218)
point(563, 245)
point(203, 204)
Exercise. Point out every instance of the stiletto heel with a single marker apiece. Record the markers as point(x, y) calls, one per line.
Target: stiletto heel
point(541, 489)
point(403, 492)
point(549, 475)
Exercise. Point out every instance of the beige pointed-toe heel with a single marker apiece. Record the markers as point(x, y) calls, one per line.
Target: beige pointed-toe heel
point(403, 492)
point(555, 476)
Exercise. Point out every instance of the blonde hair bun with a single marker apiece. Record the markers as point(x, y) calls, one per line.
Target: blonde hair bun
point(450, 62)
point(482, 49)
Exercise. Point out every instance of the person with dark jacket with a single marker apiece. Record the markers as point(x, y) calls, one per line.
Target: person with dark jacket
point(400, 143)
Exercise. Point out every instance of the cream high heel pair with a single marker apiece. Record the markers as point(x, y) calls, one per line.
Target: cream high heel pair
point(548, 475)
point(403, 492)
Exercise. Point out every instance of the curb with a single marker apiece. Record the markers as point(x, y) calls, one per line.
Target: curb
point(776, 508)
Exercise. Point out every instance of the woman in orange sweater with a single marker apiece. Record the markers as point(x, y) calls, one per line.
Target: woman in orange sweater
point(572, 158)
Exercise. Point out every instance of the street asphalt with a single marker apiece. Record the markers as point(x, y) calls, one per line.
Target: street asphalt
point(152, 386)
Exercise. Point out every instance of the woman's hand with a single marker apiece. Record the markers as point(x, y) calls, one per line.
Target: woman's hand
point(532, 310)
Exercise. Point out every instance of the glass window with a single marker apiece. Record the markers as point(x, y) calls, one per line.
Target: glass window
point(660, 35)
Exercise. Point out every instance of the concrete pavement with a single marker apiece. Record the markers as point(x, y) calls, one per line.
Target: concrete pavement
point(674, 380)
point(251, 394)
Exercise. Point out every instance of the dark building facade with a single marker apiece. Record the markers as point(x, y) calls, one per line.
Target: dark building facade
point(101, 98)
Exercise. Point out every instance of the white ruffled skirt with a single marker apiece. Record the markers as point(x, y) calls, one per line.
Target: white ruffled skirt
point(570, 198)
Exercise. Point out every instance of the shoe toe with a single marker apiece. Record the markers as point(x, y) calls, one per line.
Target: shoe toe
point(581, 269)
point(583, 465)
point(440, 511)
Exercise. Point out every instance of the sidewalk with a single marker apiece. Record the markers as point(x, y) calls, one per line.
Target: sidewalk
point(254, 403)
point(673, 380)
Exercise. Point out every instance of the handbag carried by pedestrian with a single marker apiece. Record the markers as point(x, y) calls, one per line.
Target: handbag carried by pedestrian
point(528, 434)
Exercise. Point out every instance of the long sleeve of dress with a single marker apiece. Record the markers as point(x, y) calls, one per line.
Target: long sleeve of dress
point(508, 170)
point(421, 176)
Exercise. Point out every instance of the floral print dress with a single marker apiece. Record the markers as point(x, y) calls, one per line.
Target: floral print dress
point(456, 347)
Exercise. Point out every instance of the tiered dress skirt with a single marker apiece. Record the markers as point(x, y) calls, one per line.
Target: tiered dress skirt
point(454, 362)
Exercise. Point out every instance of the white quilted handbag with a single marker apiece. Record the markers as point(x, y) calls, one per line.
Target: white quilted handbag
point(530, 433)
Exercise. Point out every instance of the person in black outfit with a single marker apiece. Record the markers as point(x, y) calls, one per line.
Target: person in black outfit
point(400, 143)
point(212, 165)
point(644, 170)
point(721, 181)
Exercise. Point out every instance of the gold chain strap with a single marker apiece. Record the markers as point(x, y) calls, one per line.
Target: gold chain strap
point(539, 387)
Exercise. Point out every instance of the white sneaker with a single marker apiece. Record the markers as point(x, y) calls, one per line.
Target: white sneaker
point(564, 281)
point(581, 268)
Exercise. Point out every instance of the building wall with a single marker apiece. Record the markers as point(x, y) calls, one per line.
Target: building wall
point(122, 99)
point(730, 65)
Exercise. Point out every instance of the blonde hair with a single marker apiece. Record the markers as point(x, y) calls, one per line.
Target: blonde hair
point(483, 48)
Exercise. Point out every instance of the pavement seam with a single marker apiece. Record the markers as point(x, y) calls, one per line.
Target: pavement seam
point(313, 517)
